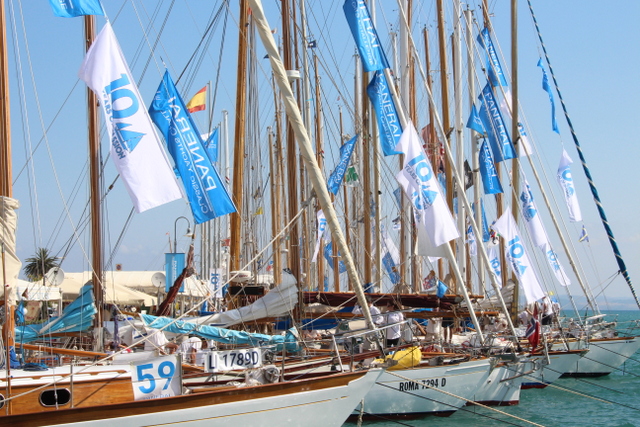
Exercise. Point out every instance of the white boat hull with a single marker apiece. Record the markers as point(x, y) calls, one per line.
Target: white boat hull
point(605, 356)
point(410, 393)
point(501, 387)
point(544, 374)
point(309, 403)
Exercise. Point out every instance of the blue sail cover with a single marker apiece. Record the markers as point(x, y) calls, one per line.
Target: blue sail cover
point(222, 335)
point(76, 317)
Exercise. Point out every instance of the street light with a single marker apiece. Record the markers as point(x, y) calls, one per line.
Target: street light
point(175, 235)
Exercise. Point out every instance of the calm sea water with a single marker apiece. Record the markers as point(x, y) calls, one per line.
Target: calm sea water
point(612, 400)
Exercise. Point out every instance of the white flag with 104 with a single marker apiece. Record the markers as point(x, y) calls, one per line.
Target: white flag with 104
point(155, 378)
point(566, 182)
point(517, 257)
point(421, 185)
point(135, 148)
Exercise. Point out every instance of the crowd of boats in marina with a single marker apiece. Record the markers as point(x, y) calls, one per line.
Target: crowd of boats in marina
point(356, 331)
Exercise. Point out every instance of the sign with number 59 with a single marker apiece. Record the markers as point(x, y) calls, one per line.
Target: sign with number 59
point(154, 378)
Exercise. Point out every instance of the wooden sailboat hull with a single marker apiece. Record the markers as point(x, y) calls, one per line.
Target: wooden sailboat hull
point(322, 401)
point(605, 356)
point(399, 393)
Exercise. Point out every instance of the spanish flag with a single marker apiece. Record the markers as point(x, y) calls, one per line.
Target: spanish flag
point(198, 102)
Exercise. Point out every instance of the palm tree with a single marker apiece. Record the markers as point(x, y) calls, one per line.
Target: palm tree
point(39, 264)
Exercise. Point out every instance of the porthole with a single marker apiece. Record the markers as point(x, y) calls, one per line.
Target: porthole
point(1, 401)
point(60, 396)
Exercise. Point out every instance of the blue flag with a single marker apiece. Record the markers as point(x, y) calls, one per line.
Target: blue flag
point(442, 289)
point(335, 179)
point(491, 117)
point(496, 74)
point(328, 255)
point(545, 86)
point(206, 193)
point(488, 172)
point(212, 145)
point(474, 121)
point(73, 8)
point(385, 108)
point(365, 35)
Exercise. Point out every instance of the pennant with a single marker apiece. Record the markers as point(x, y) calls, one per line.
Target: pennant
point(335, 179)
point(584, 237)
point(517, 257)
point(391, 257)
point(547, 87)
point(351, 176)
point(74, 8)
point(365, 35)
point(554, 263)
point(207, 194)
point(322, 227)
point(198, 102)
point(474, 122)
point(328, 255)
point(422, 188)
point(492, 120)
point(533, 330)
point(312, 44)
point(566, 183)
point(385, 108)
point(494, 262)
point(532, 217)
point(488, 172)
point(135, 148)
point(259, 211)
point(494, 69)
point(212, 146)
point(526, 148)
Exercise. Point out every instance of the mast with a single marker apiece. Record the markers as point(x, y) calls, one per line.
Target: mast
point(94, 184)
point(306, 152)
point(239, 137)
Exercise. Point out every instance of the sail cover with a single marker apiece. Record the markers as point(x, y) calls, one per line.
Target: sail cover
point(12, 264)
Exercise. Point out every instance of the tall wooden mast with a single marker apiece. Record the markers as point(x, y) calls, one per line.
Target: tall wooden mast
point(239, 137)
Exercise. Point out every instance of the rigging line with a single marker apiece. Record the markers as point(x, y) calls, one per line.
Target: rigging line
point(458, 397)
point(594, 191)
point(217, 81)
point(202, 39)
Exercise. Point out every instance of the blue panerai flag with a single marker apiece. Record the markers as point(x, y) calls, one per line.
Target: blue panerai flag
point(365, 35)
point(545, 86)
point(206, 193)
point(73, 8)
point(474, 122)
point(488, 171)
point(335, 179)
point(496, 74)
point(385, 108)
point(497, 133)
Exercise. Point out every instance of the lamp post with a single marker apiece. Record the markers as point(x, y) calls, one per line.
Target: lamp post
point(175, 235)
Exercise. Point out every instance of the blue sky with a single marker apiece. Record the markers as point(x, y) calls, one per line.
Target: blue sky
point(593, 49)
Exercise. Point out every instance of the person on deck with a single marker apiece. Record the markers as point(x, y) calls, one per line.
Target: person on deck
point(395, 318)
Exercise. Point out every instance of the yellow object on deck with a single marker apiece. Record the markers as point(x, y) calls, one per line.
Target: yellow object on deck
point(407, 358)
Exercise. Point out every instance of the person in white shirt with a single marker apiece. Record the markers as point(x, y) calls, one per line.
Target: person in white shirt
point(395, 318)
point(375, 311)
point(189, 347)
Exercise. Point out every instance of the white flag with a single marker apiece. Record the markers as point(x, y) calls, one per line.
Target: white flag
point(322, 226)
point(555, 265)
point(532, 217)
point(494, 261)
point(422, 187)
point(135, 148)
point(566, 183)
point(517, 257)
